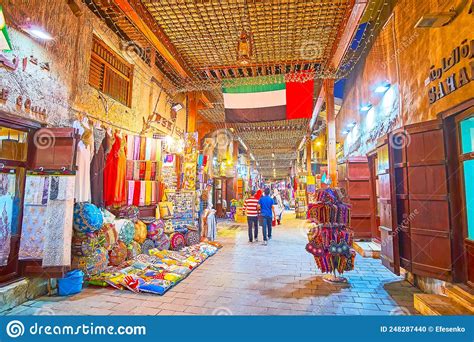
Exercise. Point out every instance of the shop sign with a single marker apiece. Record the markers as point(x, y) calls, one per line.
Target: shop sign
point(448, 82)
point(23, 103)
point(13, 62)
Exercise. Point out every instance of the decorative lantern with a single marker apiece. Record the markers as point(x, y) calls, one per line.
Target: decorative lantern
point(244, 48)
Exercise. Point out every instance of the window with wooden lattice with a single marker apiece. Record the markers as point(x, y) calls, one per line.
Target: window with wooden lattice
point(110, 73)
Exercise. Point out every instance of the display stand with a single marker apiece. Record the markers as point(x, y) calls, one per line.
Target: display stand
point(330, 239)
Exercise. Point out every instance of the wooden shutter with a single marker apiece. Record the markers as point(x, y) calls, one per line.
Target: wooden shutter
point(428, 201)
point(354, 177)
point(389, 254)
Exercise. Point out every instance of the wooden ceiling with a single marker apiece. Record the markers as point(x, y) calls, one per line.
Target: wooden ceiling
point(196, 41)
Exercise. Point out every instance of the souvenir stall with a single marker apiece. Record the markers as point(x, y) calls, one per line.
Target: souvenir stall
point(330, 238)
point(301, 204)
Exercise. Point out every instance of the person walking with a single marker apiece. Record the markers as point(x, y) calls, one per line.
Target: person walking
point(267, 209)
point(279, 207)
point(251, 210)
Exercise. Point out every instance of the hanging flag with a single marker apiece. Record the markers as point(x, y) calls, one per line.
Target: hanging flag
point(275, 100)
point(5, 44)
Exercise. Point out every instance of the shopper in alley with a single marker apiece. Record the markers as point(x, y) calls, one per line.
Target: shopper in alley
point(267, 210)
point(251, 210)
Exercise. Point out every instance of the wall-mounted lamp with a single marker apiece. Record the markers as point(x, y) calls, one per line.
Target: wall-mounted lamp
point(37, 32)
point(366, 107)
point(382, 88)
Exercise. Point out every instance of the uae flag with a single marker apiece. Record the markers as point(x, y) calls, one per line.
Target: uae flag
point(278, 100)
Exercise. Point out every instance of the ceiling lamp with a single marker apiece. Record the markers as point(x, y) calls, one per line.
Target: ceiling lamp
point(244, 48)
point(176, 107)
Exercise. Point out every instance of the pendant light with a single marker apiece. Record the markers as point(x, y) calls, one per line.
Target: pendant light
point(244, 48)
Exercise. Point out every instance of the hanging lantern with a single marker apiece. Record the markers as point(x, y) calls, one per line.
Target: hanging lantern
point(244, 48)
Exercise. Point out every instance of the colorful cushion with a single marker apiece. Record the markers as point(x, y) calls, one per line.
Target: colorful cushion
point(140, 232)
point(91, 265)
point(108, 216)
point(118, 254)
point(163, 242)
point(107, 236)
point(126, 230)
point(169, 227)
point(133, 249)
point(147, 245)
point(177, 241)
point(192, 238)
point(87, 218)
point(84, 244)
point(155, 229)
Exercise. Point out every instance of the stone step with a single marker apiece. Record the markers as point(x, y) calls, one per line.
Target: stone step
point(438, 305)
point(367, 249)
point(462, 295)
point(20, 291)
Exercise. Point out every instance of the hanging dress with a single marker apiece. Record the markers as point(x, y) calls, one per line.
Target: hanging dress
point(114, 174)
point(97, 167)
point(83, 163)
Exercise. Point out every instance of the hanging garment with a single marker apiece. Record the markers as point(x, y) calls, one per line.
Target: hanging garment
point(130, 147)
point(114, 174)
point(83, 162)
point(58, 232)
point(212, 225)
point(33, 232)
point(148, 148)
point(136, 147)
point(7, 195)
point(142, 148)
point(97, 168)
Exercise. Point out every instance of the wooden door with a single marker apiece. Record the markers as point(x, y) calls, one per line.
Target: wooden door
point(375, 232)
point(428, 211)
point(465, 187)
point(388, 235)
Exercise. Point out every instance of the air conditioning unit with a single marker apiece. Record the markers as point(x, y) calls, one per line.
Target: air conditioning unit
point(433, 20)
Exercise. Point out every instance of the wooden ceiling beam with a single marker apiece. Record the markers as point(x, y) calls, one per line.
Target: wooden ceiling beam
point(139, 17)
point(347, 33)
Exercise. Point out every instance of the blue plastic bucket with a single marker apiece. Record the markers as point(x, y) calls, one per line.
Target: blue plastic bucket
point(71, 283)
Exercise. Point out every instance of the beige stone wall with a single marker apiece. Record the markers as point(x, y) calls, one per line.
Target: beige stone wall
point(403, 56)
point(64, 90)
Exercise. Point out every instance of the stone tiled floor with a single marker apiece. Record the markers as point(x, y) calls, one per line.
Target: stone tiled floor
point(251, 279)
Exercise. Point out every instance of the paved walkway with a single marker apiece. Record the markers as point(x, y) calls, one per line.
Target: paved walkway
point(251, 279)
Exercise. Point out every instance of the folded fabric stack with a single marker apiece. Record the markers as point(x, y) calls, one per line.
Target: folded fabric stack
point(157, 271)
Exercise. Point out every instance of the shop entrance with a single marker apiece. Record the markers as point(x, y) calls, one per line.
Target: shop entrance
point(15, 144)
point(460, 141)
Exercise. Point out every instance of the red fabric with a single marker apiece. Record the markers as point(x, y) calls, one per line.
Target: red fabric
point(259, 194)
point(115, 192)
point(136, 193)
point(299, 99)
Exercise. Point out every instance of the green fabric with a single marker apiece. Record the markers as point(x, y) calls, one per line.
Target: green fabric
point(254, 84)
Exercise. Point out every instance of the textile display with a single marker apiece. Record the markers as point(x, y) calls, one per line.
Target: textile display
point(32, 232)
point(87, 217)
point(330, 239)
point(183, 208)
point(140, 232)
point(190, 160)
point(115, 172)
point(7, 195)
point(163, 242)
point(97, 167)
point(155, 271)
point(166, 210)
point(168, 172)
point(84, 244)
point(147, 245)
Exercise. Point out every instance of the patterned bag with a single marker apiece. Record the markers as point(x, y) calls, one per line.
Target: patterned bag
point(126, 230)
point(133, 249)
point(84, 244)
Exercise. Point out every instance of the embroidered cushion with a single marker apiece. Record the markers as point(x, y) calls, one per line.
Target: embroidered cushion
point(87, 217)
